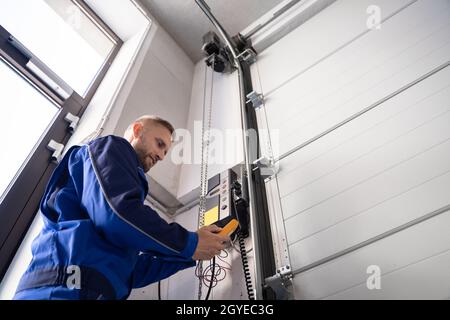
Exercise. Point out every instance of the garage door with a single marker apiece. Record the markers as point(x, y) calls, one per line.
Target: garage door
point(359, 117)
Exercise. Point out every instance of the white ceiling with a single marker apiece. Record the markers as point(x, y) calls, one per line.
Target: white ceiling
point(187, 24)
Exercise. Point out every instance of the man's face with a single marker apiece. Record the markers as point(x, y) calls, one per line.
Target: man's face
point(152, 145)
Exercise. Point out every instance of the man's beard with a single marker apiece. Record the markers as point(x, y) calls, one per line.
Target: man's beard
point(142, 156)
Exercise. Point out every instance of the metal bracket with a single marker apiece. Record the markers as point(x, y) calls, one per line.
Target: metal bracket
point(73, 121)
point(267, 167)
point(248, 55)
point(257, 99)
point(280, 282)
point(57, 149)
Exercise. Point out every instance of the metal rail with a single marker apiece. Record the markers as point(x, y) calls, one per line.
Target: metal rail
point(271, 19)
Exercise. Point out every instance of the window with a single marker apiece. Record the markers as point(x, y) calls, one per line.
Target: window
point(53, 56)
point(69, 42)
point(24, 115)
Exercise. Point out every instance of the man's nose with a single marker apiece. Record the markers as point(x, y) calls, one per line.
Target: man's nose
point(160, 155)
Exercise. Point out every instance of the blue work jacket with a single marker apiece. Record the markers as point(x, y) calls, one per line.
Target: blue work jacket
point(99, 239)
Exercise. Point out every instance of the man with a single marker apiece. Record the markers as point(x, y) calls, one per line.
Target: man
point(99, 239)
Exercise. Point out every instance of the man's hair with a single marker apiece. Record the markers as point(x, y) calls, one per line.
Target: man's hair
point(145, 120)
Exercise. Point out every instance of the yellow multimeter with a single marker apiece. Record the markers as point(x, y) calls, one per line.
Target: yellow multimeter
point(229, 228)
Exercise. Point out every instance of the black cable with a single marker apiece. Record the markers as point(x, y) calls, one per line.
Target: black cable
point(212, 278)
point(247, 275)
point(159, 290)
point(243, 250)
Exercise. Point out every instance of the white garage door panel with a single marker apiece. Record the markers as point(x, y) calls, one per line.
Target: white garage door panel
point(352, 224)
point(361, 171)
point(342, 95)
point(366, 114)
point(338, 24)
point(407, 247)
point(410, 282)
point(379, 54)
point(413, 108)
point(396, 107)
point(426, 166)
point(354, 98)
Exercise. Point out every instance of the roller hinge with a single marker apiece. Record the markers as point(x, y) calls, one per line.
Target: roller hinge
point(257, 99)
point(281, 282)
point(248, 55)
point(267, 166)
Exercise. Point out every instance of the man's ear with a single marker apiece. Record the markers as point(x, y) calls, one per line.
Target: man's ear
point(137, 130)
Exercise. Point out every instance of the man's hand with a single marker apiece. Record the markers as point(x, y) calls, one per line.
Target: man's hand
point(209, 243)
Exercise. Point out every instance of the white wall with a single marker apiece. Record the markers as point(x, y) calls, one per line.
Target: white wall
point(226, 147)
point(163, 88)
point(357, 180)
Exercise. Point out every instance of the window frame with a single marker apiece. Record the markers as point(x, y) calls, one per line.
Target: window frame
point(20, 203)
